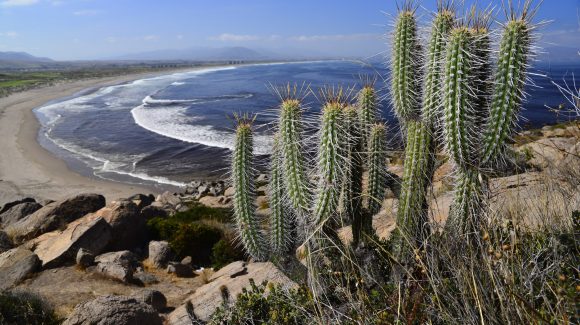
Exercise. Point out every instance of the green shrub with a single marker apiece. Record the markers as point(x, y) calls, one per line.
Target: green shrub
point(25, 308)
point(198, 212)
point(225, 252)
point(190, 234)
point(267, 304)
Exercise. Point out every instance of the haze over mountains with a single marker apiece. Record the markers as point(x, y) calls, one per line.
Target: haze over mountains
point(23, 60)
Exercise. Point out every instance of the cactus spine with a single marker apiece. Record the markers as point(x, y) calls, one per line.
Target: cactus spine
point(244, 187)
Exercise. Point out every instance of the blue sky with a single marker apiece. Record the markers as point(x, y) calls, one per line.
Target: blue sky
point(89, 29)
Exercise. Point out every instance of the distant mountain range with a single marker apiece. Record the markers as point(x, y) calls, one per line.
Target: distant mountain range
point(220, 54)
point(22, 57)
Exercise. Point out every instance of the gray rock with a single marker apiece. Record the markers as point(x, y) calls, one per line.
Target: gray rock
point(54, 216)
point(5, 242)
point(129, 230)
point(235, 277)
point(114, 310)
point(15, 265)
point(153, 298)
point(149, 212)
point(142, 200)
point(159, 253)
point(180, 270)
point(61, 247)
point(230, 192)
point(145, 278)
point(85, 258)
point(186, 260)
point(9, 205)
point(121, 257)
point(123, 273)
point(18, 212)
point(168, 199)
point(203, 189)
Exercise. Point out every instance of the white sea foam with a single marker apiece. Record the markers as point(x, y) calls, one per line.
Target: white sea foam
point(178, 83)
point(173, 123)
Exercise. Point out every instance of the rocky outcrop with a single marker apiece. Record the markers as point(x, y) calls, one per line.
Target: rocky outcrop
point(114, 310)
point(159, 253)
point(12, 204)
point(217, 201)
point(15, 265)
point(149, 212)
point(61, 247)
point(142, 200)
point(128, 227)
point(5, 242)
point(234, 278)
point(54, 216)
point(85, 258)
point(18, 212)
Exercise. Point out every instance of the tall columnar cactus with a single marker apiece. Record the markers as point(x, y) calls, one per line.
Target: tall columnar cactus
point(406, 66)
point(351, 198)
point(367, 110)
point(281, 221)
point(293, 161)
point(330, 161)
point(466, 106)
point(441, 26)
point(377, 170)
point(243, 176)
point(510, 77)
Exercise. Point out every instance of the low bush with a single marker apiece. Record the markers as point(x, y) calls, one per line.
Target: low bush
point(24, 308)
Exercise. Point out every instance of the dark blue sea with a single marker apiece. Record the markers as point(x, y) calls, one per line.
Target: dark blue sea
point(168, 130)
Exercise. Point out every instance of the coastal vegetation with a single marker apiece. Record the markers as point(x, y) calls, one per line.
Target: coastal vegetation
point(454, 96)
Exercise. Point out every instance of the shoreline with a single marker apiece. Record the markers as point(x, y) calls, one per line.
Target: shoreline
point(27, 169)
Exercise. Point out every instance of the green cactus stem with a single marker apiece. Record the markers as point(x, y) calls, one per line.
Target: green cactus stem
point(330, 162)
point(367, 110)
point(432, 101)
point(293, 161)
point(377, 169)
point(508, 86)
point(281, 223)
point(406, 66)
point(465, 214)
point(243, 176)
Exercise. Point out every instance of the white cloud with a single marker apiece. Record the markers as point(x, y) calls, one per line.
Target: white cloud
point(150, 37)
point(10, 34)
point(234, 38)
point(337, 37)
point(16, 3)
point(87, 12)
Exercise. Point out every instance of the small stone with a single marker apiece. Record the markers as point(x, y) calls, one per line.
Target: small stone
point(85, 258)
point(187, 260)
point(180, 270)
point(145, 278)
point(159, 253)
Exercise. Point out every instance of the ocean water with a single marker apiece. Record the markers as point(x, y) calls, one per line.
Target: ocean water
point(168, 130)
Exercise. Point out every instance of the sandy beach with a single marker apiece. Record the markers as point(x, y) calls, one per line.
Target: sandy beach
point(27, 169)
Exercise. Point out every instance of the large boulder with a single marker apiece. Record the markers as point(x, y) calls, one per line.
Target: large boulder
point(15, 265)
point(153, 298)
point(128, 227)
point(159, 253)
point(54, 216)
point(233, 278)
point(61, 247)
point(168, 200)
point(114, 310)
point(9, 205)
point(142, 200)
point(149, 212)
point(18, 212)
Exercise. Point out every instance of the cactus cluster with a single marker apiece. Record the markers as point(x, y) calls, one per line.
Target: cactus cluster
point(447, 94)
point(350, 140)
